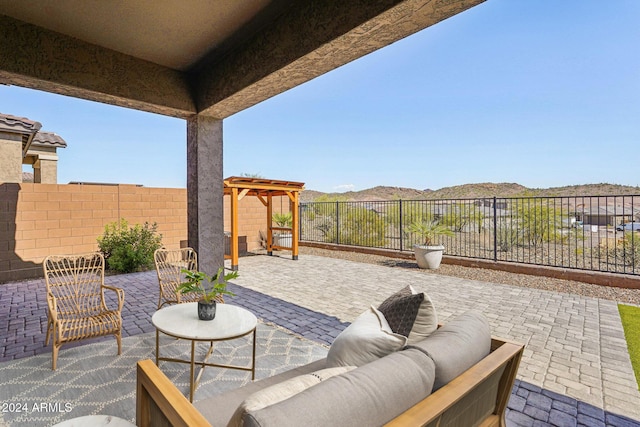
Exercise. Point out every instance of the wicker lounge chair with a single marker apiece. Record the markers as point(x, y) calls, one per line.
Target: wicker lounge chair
point(169, 264)
point(76, 301)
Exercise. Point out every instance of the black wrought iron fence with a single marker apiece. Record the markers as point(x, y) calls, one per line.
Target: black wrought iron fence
point(598, 233)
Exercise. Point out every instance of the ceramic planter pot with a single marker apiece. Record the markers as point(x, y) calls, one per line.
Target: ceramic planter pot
point(283, 239)
point(206, 310)
point(428, 256)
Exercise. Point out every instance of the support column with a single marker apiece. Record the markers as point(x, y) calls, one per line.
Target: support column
point(10, 157)
point(269, 224)
point(234, 229)
point(205, 212)
point(45, 170)
point(295, 222)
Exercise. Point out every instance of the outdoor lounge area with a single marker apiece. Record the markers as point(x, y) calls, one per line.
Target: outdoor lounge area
point(573, 372)
point(205, 62)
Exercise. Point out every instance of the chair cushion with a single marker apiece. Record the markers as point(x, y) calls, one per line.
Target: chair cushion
point(457, 346)
point(368, 338)
point(281, 391)
point(371, 395)
point(410, 313)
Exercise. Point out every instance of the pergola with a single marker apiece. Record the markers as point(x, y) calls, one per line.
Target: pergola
point(200, 61)
point(265, 190)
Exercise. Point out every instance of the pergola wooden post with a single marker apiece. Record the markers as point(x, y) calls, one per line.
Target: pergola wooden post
point(264, 189)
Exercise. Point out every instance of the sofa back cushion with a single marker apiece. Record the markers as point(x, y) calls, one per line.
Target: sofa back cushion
point(371, 395)
point(457, 346)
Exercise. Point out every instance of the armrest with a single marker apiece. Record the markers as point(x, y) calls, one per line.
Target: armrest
point(159, 402)
point(504, 357)
point(119, 292)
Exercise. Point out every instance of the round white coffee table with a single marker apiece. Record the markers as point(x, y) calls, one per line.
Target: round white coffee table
point(181, 321)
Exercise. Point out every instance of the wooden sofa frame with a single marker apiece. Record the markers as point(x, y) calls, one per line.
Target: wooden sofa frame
point(160, 403)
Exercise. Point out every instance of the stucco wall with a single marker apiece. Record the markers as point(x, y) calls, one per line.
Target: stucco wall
point(10, 157)
point(37, 220)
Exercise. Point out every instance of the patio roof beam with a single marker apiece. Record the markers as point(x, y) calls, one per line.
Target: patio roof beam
point(34, 57)
point(308, 40)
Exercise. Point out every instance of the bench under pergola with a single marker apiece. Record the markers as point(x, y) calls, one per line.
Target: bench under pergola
point(265, 190)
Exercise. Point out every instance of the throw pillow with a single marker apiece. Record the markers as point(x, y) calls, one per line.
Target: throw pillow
point(368, 338)
point(426, 320)
point(401, 309)
point(410, 313)
point(282, 391)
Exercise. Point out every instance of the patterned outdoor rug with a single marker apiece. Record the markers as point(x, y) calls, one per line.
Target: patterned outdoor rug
point(92, 379)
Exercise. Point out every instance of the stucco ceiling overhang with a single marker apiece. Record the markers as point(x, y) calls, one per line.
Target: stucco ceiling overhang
point(214, 57)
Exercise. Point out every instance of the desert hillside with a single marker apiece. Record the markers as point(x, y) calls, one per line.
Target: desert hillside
point(487, 189)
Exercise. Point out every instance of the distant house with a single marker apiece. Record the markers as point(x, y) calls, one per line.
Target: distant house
point(23, 143)
point(607, 215)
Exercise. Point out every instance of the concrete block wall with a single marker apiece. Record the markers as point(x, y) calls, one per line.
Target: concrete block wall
point(37, 220)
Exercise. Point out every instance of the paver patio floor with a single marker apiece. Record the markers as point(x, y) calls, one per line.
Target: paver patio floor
point(575, 370)
point(575, 345)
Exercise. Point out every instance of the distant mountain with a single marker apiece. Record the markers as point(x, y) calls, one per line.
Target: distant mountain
point(376, 193)
point(485, 189)
point(465, 191)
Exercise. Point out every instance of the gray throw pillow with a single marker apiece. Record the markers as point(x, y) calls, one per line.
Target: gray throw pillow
point(410, 314)
point(368, 338)
point(401, 309)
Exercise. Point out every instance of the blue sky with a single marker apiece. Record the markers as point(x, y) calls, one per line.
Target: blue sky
point(544, 93)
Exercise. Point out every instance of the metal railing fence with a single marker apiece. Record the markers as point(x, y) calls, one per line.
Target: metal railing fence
point(583, 232)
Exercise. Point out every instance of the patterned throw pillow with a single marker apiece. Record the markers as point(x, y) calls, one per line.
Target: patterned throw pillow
point(401, 309)
point(405, 319)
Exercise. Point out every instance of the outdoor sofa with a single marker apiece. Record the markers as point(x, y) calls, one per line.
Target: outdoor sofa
point(457, 376)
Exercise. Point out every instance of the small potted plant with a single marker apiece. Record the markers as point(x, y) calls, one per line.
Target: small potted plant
point(429, 254)
point(217, 287)
point(282, 220)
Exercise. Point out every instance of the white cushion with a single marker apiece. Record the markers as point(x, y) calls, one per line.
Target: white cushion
point(426, 320)
point(368, 338)
point(282, 391)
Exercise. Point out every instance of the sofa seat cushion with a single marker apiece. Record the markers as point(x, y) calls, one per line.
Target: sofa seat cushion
point(370, 395)
point(457, 346)
point(368, 338)
point(219, 409)
point(410, 313)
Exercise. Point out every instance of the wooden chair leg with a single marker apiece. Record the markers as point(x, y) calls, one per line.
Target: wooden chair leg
point(54, 355)
point(49, 325)
point(119, 339)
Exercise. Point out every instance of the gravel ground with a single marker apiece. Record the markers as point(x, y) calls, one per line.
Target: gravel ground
point(630, 296)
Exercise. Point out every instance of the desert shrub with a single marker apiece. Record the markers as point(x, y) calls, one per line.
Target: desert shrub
point(357, 226)
point(462, 216)
point(625, 251)
point(129, 248)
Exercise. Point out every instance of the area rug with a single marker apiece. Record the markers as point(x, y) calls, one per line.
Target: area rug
point(93, 379)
